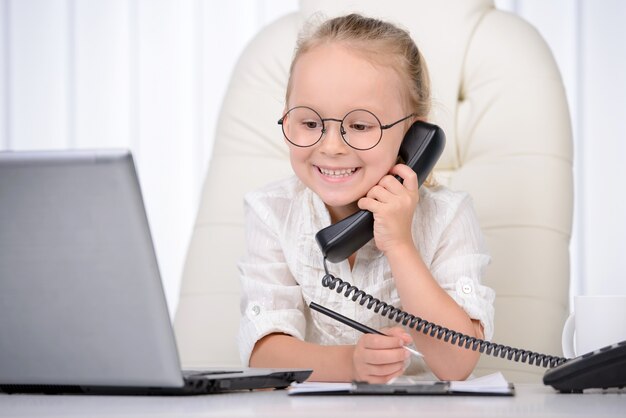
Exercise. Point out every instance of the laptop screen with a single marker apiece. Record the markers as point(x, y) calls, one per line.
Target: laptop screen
point(81, 299)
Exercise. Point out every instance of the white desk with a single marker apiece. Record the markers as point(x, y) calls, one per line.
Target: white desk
point(530, 401)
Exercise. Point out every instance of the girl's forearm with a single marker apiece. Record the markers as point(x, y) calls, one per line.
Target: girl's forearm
point(422, 296)
point(329, 363)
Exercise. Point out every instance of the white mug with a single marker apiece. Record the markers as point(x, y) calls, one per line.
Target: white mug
point(597, 321)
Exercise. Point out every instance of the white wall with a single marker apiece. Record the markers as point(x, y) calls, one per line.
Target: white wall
point(149, 75)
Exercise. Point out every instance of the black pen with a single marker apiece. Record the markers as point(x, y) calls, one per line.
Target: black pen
point(353, 324)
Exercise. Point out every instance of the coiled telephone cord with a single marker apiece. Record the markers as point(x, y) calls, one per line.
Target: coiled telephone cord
point(448, 335)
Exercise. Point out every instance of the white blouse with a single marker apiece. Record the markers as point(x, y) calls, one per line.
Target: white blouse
point(282, 269)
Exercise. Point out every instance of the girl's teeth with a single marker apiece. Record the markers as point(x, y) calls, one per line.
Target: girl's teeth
point(337, 173)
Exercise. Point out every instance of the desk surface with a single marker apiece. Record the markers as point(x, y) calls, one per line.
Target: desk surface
point(530, 401)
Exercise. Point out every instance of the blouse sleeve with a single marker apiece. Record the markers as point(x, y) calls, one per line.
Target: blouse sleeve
point(271, 300)
point(460, 262)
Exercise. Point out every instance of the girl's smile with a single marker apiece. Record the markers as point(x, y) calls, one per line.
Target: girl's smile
point(334, 174)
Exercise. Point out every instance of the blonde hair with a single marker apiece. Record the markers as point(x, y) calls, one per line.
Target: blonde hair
point(381, 42)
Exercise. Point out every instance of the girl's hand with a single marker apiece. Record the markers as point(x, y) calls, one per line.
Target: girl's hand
point(393, 205)
point(379, 358)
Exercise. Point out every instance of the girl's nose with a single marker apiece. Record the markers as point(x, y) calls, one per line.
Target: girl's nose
point(332, 141)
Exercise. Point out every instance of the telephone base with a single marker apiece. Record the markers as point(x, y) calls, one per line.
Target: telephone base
point(604, 368)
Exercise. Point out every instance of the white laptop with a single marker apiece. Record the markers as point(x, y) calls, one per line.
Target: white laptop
point(82, 308)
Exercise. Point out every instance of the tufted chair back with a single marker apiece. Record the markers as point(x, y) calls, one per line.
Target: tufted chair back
point(498, 96)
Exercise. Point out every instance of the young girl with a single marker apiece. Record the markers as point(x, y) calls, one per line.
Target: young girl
point(355, 87)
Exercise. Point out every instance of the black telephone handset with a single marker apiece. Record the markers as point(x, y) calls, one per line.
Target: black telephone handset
point(420, 149)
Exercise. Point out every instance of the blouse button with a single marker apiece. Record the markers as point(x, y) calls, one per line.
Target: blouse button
point(467, 289)
point(256, 310)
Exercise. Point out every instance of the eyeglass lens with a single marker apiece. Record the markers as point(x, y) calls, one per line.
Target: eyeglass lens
point(303, 127)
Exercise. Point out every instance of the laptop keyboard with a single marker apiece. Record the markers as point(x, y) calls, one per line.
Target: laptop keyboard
point(196, 373)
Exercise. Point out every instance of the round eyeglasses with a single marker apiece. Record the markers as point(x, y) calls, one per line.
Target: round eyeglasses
point(360, 128)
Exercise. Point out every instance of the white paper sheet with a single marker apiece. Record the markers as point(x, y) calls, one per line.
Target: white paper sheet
point(491, 384)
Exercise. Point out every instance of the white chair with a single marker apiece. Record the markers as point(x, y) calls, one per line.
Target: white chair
point(500, 100)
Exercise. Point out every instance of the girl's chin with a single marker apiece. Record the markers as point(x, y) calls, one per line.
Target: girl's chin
point(342, 200)
point(341, 206)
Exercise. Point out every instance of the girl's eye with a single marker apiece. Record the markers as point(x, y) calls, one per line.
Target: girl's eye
point(311, 124)
point(359, 127)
